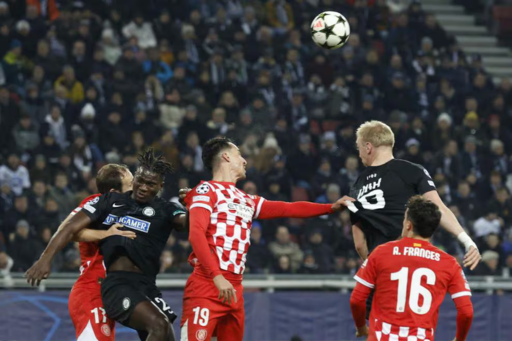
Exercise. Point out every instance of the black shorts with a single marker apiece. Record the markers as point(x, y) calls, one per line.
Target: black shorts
point(122, 291)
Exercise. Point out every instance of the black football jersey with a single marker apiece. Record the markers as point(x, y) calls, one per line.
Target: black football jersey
point(382, 193)
point(152, 222)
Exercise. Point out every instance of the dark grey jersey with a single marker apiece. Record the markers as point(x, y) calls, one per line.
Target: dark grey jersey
point(152, 222)
point(382, 193)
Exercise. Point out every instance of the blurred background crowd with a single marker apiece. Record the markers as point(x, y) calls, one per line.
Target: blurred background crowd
point(84, 83)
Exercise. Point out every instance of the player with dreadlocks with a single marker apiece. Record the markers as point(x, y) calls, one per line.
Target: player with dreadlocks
point(129, 291)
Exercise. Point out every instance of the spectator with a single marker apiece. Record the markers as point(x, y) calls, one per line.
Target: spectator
point(61, 193)
point(502, 205)
point(489, 265)
point(490, 223)
point(56, 126)
point(154, 66)
point(110, 46)
point(14, 174)
point(283, 246)
point(24, 249)
point(75, 89)
point(26, 134)
point(142, 30)
point(322, 253)
point(258, 257)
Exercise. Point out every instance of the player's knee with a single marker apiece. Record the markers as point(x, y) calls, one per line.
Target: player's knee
point(160, 327)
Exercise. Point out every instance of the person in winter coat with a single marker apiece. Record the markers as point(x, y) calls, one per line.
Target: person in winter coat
point(26, 134)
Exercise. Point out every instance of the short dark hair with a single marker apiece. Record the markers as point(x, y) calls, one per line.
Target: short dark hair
point(110, 177)
point(155, 164)
point(212, 148)
point(424, 215)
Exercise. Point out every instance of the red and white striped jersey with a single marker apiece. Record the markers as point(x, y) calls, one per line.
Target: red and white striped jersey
point(411, 278)
point(229, 231)
point(91, 267)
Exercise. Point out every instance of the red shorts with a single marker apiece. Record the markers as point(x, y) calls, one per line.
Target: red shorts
point(88, 315)
point(204, 315)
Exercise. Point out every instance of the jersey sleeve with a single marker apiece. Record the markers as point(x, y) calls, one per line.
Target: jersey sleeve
point(174, 210)
point(97, 207)
point(83, 203)
point(418, 177)
point(459, 285)
point(258, 202)
point(203, 196)
point(367, 274)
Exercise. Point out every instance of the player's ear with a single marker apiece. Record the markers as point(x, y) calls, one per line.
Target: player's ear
point(225, 156)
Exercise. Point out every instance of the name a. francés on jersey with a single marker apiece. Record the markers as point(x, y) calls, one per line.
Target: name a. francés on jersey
point(130, 222)
point(417, 252)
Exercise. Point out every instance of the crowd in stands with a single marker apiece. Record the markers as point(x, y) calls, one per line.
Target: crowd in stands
point(98, 81)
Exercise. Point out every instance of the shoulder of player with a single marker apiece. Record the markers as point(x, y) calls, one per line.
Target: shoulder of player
point(170, 206)
point(446, 256)
point(386, 247)
point(90, 198)
point(405, 165)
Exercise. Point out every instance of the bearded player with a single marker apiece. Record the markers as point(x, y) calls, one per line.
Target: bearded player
point(410, 279)
point(85, 304)
point(220, 226)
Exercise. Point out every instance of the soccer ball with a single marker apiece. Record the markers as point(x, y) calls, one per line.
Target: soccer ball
point(330, 30)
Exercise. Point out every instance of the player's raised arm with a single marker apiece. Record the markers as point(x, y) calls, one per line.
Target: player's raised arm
point(450, 223)
point(266, 209)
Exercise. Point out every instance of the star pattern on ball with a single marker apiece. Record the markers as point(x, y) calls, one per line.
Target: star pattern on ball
point(328, 31)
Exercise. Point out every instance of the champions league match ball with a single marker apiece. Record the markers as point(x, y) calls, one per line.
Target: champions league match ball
point(330, 30)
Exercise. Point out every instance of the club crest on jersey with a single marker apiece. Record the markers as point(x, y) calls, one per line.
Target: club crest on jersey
point(126, 303)
point(148, 211)
point(203, 189)
point(201, 334)
point(93, 201)
point(130, 222)
point(105, 329)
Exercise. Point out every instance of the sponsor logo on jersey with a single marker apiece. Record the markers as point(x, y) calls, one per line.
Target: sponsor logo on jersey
point(416, 245)
point(126, 303)
point(243, 211)
point(201, 198)
point(105, 329)
point(130, 222)
point(148, 211)
point(201, 334)
point(203, 189)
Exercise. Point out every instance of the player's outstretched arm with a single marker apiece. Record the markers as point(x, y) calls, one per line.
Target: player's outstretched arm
point(89, 235)
point(450, 223)
point(41, 269)
point(299, 209)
